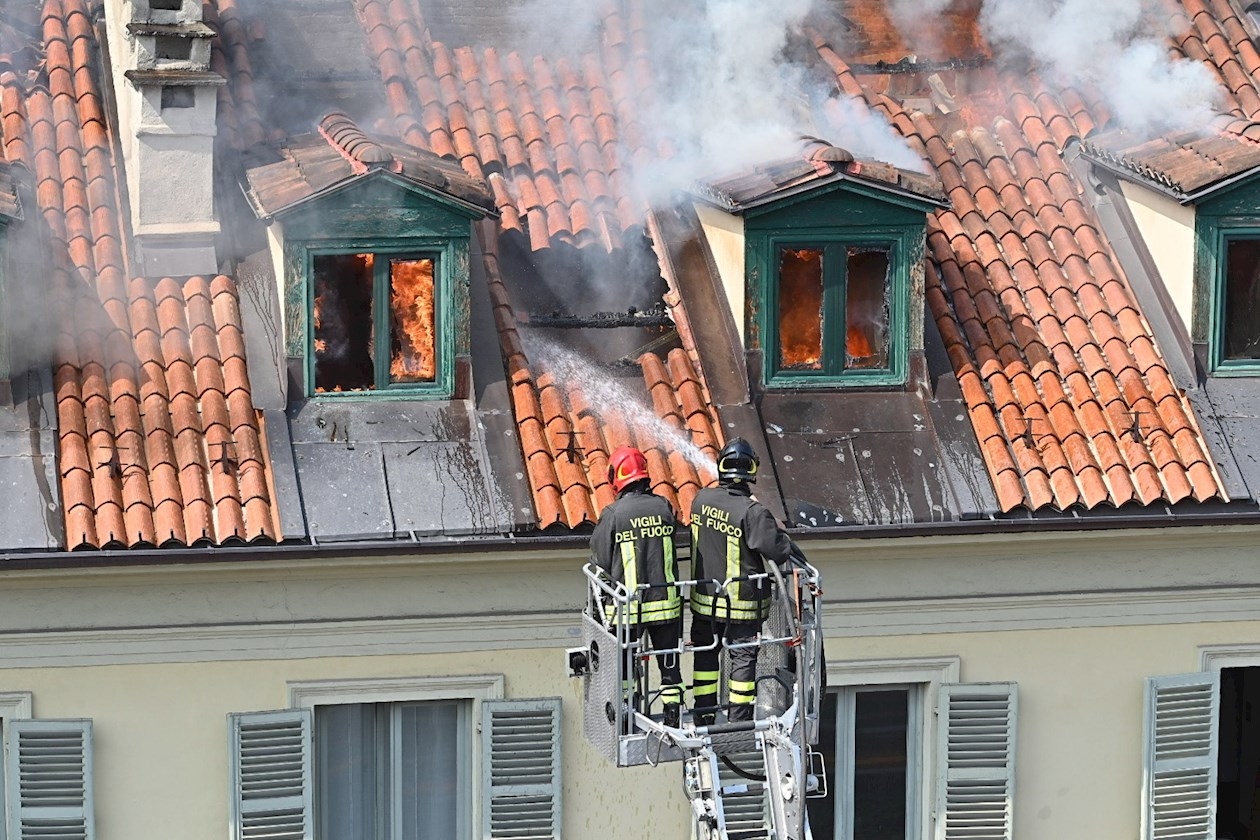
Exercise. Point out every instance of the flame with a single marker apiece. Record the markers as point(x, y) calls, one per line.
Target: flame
point(866, 309)
point(801, 308)
point(411, 306)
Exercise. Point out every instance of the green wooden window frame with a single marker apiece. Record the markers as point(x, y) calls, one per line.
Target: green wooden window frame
point(833, 374)
point(437, 250)
point(1219, 239)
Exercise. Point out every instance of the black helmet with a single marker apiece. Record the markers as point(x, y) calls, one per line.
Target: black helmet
point(738, 461)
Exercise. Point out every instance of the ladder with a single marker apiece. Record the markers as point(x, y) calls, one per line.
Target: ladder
point(744, 780)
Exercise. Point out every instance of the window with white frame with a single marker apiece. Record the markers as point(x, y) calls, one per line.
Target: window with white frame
point(908, 750)
point(398, 759)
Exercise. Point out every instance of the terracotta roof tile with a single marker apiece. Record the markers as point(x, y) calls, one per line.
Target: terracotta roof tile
point(1038, 319)
point(131, 411)
point(569, 483)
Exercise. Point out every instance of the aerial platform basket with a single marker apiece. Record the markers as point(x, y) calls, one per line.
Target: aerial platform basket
point(623, 714)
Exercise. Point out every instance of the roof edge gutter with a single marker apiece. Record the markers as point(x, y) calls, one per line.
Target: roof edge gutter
point(73, 560)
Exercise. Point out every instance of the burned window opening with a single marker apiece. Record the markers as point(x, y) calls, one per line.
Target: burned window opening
point(358, 297)
point(1242, 300)
point(802, 318)
point(343, 322)
point(412, 321)
point(166, 5)
point(866, 309)
point(834, 309)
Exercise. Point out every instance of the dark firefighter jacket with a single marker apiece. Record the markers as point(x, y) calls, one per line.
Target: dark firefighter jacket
point(633, 544)
point(730, 534)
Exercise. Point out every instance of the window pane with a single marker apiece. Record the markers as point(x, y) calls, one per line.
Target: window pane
point(801, 309)
point(1242, 300)
point(343, 322)
point(351, 743)
point(432, 767)
point(879, 779)
point(411, 331)
point(866, 309)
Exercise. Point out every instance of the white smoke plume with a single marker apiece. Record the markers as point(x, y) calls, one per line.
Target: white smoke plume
point(918, 21)
point(730, 98)
point(1113, 46)
point(727, 94)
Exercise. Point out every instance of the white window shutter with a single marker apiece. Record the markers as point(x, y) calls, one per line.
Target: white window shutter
point(271, 775)
point(520, 769)
point(976, 761)
point(49, 780)
point(1179, 782)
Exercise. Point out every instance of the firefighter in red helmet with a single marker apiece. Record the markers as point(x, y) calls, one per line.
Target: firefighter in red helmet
point(633, 544)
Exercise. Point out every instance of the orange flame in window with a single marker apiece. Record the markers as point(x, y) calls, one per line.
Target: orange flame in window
point(411, 302)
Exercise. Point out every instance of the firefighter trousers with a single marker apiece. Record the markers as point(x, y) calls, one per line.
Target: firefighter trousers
point(662, 635)
point(741, 681)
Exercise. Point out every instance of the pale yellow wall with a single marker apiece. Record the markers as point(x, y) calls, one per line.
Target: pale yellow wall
point(161, 738)
point(161, 756)
point(1167, 229)
point(725, 234)
point(1063, 615)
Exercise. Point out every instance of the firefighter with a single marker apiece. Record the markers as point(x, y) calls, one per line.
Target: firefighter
point(731, 537)
point(633, 544)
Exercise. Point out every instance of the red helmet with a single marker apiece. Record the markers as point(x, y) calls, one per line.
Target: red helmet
point(626, 466)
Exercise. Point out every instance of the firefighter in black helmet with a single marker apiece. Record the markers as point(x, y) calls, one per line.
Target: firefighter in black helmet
point(633, 544)
point(731, 533)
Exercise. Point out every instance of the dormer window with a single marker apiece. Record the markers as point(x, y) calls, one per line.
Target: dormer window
point(373, 237)
point(832, 249)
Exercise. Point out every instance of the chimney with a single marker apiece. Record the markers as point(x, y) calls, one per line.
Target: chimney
point(167, 111)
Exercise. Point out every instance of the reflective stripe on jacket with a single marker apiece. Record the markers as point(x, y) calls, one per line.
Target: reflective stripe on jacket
point(730, 534)
point(633, 544)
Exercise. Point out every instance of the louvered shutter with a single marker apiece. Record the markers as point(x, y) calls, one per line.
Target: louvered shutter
point(520, 769)
point(271, 775)
point(976, 762)
point(49, 780)
point(1179, 783)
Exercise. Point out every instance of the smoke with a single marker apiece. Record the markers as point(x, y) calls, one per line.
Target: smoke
point(1111, 46)
point(729, 94)
point(919, 21)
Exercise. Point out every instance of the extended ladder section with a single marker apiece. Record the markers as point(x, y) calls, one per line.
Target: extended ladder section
point(745, 780)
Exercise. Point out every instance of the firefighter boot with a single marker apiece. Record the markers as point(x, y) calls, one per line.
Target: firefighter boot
point(673, 715)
